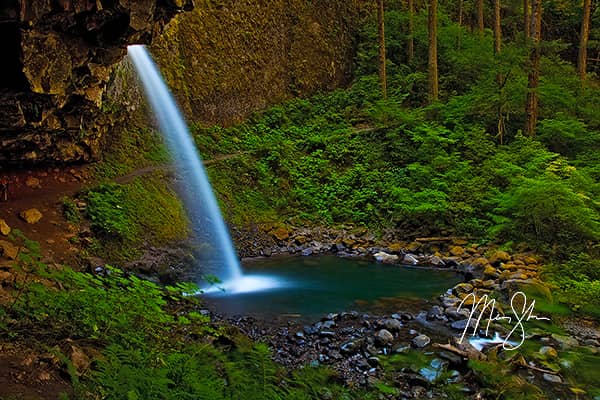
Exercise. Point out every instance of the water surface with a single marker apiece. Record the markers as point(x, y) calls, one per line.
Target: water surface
point(314, 286)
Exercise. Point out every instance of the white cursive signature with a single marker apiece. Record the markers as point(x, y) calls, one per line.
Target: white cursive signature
point(525, 314)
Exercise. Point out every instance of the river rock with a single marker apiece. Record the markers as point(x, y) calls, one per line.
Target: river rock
point(280, 233)
point(385, 257)
point(454, 314)
point(31, 216)
point(392, 325)
point(499, 257)
point(328, 324)
point(436, 261)
point(457, 251)
point(435, 312)
point(460, 325)
point(490, 272)
point(307, 251)
point(552, 378)
point(33, 182)
point(480, 262)
point(454, 359)
point(410, 259)
point(548, 351)
point(352, 346)
point(384, 337)
point(4, 228)
point(565, 342)
point(421, 341)
point(463, 288)
point(9, 250)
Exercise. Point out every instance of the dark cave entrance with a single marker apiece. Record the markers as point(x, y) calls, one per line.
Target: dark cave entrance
point(11, 66)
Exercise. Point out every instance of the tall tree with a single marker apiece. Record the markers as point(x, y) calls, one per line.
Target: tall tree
point(500, 79)
point(526, 21)
point(533, 79)
point(411, 30)
point(480, 25)
point(381, 24)
point(497, 27)
point(433, 64)
point(583, 40)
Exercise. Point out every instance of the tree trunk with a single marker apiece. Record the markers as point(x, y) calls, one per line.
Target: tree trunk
point(497, 27)
point(433, 65)
point(534, 65)
point(499, 77)
point(526, 19)
point(480, 16)
point(583, 40)
point(460, 23)
point(411, 30)
point(382, 74)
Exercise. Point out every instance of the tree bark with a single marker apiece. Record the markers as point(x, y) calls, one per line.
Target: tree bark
point(460, 23)
point(526, 19)
point(497, 27)
point(499, 77)
point(583, 40)
point(534, 71)
point(382, 73)
point(433, 64)
point(480, 25)
point(411, 30)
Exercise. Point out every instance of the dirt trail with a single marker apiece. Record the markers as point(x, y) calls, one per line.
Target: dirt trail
point(43, 189)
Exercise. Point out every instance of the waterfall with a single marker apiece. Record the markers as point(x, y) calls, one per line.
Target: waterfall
point(217, 254)
point(207, 222)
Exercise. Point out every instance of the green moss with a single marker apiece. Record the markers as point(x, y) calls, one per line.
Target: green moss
point(126, 216)
point(130, 149)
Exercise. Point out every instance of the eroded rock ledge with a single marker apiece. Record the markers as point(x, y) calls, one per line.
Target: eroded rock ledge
point(57, 59)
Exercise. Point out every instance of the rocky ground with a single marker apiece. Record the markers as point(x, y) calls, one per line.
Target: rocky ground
point(354, 344)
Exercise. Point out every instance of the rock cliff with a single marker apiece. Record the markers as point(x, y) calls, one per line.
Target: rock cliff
point(57, 59)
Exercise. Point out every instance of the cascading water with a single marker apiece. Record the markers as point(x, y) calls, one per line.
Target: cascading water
point(217, 252)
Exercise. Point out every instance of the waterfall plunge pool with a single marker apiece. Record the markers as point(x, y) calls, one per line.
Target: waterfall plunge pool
point(309, 287)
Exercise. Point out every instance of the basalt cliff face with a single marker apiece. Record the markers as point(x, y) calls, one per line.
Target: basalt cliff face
point(226, 59)
point(65, 82)
point(57, 59)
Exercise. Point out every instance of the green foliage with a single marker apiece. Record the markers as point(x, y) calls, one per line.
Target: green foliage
point(125, 215)
point(131, 149)
point(70, 210)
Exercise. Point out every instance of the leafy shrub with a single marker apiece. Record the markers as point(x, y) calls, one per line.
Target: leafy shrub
point(106, 211)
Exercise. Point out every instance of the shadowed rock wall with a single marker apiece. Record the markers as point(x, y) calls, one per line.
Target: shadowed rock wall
point(57, 59)
point(228, 58)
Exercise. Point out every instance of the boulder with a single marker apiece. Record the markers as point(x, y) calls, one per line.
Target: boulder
point(280, 233)
point(490, 272)
point(31, 216)
point(460, 325)
point(384, 337)
point(392, 325)
point(457, 251)
point(385, 257)
point(436, 261)
point(4, 228)
point(9, 250)
point(33, 182)
point(463, 288)
point(410, 259)
point(499, 257)
point(421, 341)
point(480, 262)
